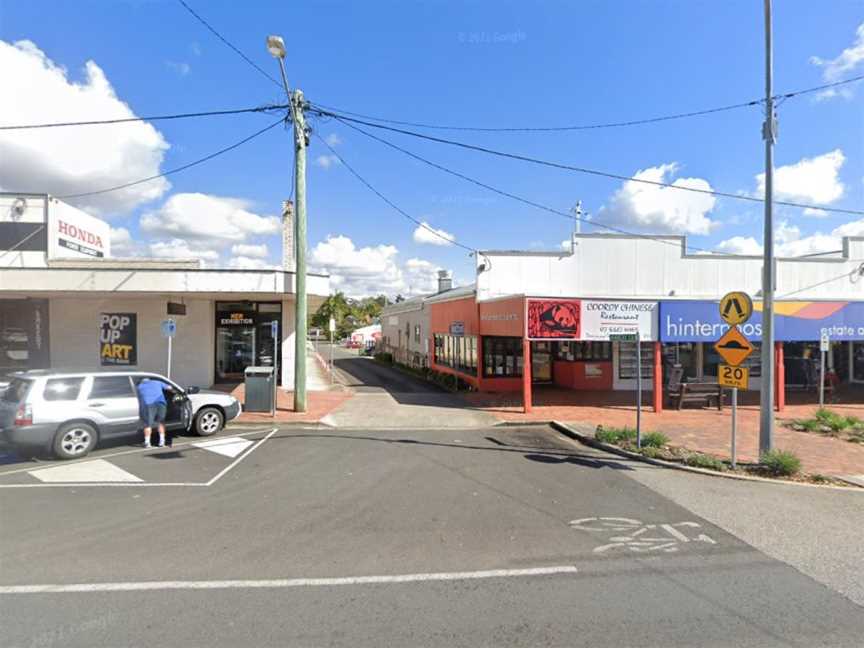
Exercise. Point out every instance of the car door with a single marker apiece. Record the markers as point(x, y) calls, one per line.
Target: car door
point(178, 409)
point(114, 400)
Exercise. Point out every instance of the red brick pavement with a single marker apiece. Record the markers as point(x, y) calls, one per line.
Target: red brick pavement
point(703, 429)
point(318, 405)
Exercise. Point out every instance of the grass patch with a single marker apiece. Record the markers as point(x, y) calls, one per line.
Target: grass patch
point(615, 435)
point(652, 452)
point(699, 460)
point(654, 440)
point(819, 479)
point(781, 463)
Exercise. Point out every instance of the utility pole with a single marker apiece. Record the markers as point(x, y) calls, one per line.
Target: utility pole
point(769, 134)
point(276, 47)
point(577, 225)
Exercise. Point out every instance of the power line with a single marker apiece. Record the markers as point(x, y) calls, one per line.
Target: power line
point(180, 168)
point(526, 201)
point(228, 43)
point(22, 241)
point(99, 122)
point(568, 167)
point(859, 271)
point(582, 127)
point(390, 202)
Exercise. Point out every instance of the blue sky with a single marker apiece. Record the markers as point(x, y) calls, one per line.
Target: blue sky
point(471, 63)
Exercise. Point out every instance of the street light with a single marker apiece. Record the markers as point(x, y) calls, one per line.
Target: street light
point(276, 47)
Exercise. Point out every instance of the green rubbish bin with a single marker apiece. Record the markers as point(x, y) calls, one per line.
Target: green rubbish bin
point(259, 389)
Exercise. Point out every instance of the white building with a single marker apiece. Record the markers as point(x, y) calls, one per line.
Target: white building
point(66, 302)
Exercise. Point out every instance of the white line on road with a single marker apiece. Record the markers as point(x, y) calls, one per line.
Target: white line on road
point(240, 458)
point(283, 582)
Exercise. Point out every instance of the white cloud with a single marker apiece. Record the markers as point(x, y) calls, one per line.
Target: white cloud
point(425, 233)
point(122, 243)
point(326, 161)
point(213, 221)
point(181, 249)
point(815, 179)
point(250, 250)
point(333, 140)
point(249, 263)
point(841, 66)
point(746, 245)
point(371, 270)
point(195, 48)
point(815, 213)
point(661, 209)
point(788, 241)
point(65, 161)
point(181, 68)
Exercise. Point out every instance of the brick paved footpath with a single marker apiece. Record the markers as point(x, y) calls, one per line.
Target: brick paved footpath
point(704, 429)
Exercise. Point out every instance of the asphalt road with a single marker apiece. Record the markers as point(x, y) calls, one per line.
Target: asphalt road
point(366, 376)
point(476, 508)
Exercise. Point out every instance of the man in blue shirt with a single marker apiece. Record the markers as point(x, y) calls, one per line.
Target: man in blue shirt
point(151, 396)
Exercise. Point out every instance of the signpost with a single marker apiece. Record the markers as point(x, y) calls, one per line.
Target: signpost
point(634, 337)
point(332, 330)
point(274, 331)
point(169, 329)
point(824, 346)
point(735, 308)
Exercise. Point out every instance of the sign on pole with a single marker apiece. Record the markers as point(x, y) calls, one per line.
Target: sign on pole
point(332, 324)
point(736, 308)
point(733, 347)
point(623, 337)
point(169, 329)
point(733, 377)
point(824, 347)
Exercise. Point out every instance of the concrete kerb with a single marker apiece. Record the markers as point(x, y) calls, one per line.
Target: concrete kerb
point(575, 435)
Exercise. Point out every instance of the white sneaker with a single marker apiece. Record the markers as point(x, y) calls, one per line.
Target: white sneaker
point(146, 444)
point(161, 443)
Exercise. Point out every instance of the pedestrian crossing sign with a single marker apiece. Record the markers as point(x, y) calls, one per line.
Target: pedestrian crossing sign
point(736, 308)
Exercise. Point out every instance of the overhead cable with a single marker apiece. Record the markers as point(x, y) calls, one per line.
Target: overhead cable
point(576, 169)
point(178, 169)
point(124, 120)
point(228, 43)
point(598, 126)
point(390, 202)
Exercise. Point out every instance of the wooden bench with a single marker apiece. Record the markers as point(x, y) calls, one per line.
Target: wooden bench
point(692, 392)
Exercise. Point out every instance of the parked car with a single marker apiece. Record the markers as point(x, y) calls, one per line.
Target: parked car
point(69, 413)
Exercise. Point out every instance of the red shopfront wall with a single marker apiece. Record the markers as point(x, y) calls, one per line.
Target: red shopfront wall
point(441, 316)
point(583, 375)
point(501, 318)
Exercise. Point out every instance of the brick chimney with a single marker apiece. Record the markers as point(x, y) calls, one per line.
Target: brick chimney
point(444, 281)
point(289, 261)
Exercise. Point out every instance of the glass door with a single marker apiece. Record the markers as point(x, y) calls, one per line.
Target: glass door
point(235, 350)
point(857, 361)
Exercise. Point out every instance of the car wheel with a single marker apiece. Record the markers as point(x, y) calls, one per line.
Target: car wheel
point(209, 421)
point(74, 440)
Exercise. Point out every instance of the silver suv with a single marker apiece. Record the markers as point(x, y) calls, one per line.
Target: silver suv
point(68, 413)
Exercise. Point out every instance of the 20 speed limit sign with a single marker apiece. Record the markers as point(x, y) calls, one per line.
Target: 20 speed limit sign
point(734, 376)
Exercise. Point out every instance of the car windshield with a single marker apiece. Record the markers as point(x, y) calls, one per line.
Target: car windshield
point(17, 390)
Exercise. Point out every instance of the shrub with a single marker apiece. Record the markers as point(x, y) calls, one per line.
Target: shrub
point(699, 460)
point(615, 435)
point(386, 358)
point(819, 479)
point(654, 440)
point(781, 463)
point(834, 421)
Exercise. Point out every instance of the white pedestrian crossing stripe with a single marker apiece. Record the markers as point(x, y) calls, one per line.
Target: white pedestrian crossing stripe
point(97, 470)
point(227, 446)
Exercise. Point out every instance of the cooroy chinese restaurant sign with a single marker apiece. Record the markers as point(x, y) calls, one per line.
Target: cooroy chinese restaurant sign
point(586, 319)
point(794, 321)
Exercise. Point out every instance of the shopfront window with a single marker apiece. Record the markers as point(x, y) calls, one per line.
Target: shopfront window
point(502, 357)
point(23, 335)
point(592, 351)
point(685, 355)
point(858, 361)
point(457, 352)
point(628, 362)
point(244, 337)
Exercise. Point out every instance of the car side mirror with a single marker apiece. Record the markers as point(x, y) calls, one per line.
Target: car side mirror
point(193, 390)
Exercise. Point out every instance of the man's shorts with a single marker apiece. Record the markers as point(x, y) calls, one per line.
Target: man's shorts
point(153, 414)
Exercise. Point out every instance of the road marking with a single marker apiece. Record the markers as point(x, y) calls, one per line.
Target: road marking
point(141, 483)
point(122, 453)
point(225, 470)
point(96, 470)
point(226, 446)
point(284, 582)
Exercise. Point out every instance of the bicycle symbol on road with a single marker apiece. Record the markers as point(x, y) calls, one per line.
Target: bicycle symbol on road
point(638, 537)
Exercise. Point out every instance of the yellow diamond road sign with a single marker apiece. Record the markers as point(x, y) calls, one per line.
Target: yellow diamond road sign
point(733, 347)
point(736, 308)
